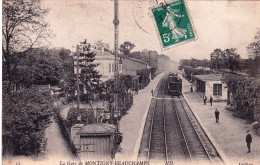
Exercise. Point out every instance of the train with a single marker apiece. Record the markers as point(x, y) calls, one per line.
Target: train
point(174, 85)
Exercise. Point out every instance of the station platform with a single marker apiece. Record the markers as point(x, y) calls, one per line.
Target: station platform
point(229, 134)
point(132, 124)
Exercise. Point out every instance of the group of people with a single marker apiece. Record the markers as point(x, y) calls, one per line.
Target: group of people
point(217, 113)
point(205, 100)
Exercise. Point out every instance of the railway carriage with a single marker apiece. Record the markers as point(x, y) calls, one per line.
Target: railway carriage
point(174, 85)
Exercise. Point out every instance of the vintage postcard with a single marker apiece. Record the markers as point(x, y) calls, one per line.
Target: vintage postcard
point(130, 82)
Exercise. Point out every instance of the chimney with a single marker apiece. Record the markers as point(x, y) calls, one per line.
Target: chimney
point(103, 50)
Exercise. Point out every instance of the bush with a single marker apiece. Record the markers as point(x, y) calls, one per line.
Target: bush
point(245, 95)
point(26, 115)
point(86, 116)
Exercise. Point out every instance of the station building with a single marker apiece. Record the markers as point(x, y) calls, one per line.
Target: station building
point(211, 85)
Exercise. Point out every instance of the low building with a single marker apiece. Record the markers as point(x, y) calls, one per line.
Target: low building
point(130, 66)
point(96, 141)
point(210, 85)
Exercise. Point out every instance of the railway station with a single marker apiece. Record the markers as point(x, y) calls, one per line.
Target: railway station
point(180, 129)
point(130, 82)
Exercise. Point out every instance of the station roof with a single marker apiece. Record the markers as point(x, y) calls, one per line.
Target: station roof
point(208, 77)
point(97, 129)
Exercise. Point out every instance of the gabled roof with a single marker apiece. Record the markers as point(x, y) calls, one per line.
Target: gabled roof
point(136, 60)
point(209, 77)
point(106, 54)
point(96, 129)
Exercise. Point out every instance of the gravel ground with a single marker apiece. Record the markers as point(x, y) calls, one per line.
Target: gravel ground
point(229, 134)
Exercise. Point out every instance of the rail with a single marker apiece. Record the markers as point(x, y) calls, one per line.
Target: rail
point(196, 133)
point(185, 139)
point(152, 125)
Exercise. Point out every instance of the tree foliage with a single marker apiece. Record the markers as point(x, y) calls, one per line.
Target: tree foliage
point(227, 59)
point(245, 95)
point(254, 47)
point(82, 115)
point(89, 75)
point(26, 115)
point(254, 56)
point(42, 66)
point(150, 57)
point(23, 27)
point(126, 48)
point(195, 62)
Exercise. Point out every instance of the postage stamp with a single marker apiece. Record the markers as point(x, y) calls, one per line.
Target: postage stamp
point(174, 25)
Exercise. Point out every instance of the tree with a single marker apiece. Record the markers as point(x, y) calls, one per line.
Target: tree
point(26, 115)
point(245, 95)
point(254, 47)
point(100, 44)
point(254, 55)
point(126, 48)
point(41, 66)
point(232, 60)
point(217, 57)
point(89, 76)
point(23, 27)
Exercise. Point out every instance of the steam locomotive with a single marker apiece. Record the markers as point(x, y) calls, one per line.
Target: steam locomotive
point(174, 85)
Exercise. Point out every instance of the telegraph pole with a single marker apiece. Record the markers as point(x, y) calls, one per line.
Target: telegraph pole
point(78, 99)
point(116, 72)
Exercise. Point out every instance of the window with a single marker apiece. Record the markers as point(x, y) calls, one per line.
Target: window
point(109, 68)
point(217, 89)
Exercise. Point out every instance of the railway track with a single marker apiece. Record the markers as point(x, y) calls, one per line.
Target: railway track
point(173, 134)
point(207, 145)
point(157, 142)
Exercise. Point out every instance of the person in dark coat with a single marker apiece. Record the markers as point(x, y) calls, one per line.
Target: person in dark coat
point(217, 115)
point(191, 89)
point(205, 100)
point(248, 140)
point(210, 100)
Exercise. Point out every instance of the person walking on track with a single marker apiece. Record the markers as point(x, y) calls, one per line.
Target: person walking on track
point(248, 140)
point(217, 115)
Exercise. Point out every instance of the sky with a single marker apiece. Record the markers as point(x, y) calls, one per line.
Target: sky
point(218, 24)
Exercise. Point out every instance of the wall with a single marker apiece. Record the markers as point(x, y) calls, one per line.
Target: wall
point(95, 147)
point(130, 66)
point(209, 91)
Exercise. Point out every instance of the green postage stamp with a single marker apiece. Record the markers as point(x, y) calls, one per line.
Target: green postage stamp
point(173, 23)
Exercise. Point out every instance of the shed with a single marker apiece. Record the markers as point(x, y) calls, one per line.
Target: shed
point(96, 141)
point(211, 85)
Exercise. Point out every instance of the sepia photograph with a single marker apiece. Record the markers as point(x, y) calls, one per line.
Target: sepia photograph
point(130, 82)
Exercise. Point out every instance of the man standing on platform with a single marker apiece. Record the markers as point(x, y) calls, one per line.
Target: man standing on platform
point(217, 115)
point(248, 140)
point(210, 100)
point(205, 100)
